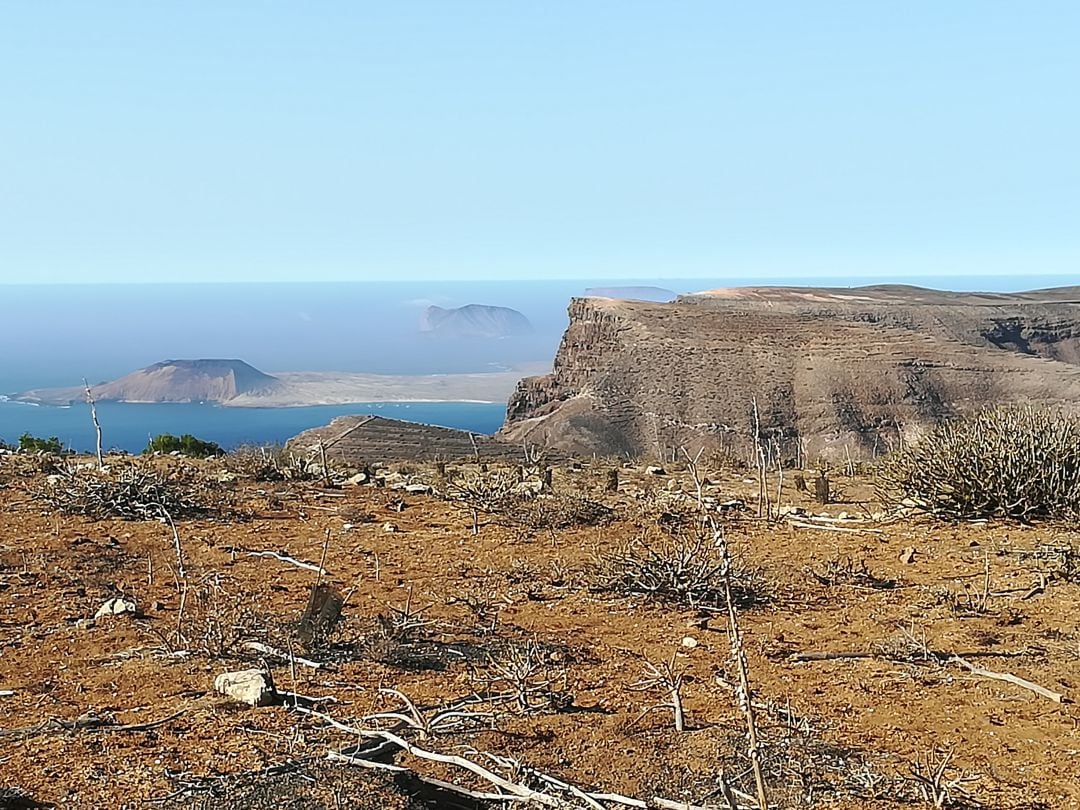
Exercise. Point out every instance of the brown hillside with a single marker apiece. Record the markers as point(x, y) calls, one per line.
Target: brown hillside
point(832, 371)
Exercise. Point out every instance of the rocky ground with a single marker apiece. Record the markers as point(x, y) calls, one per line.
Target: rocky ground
point(859, 635)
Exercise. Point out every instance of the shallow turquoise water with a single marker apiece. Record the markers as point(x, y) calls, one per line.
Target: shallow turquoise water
point(129, 426)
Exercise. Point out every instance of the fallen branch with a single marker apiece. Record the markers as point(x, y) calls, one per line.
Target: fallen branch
point(273, 652)
point(1037, 588)
point(831, 519)
point(798, 524)
point(144, 726)
point(520, 791)
point(833, 656)
point(939, 656)
point(510, 791)
point(351, 759)
point(290, 560)
point(1008, 677)
point(87, 722)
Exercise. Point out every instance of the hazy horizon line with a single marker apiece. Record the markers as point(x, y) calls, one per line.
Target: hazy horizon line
point(862, 280)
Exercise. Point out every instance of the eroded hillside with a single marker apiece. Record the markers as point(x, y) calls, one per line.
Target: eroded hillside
point(830, 372)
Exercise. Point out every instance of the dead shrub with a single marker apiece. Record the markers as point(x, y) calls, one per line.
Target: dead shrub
point(268, 463)
point(482, 493)
point(683, 568)
point(31, 465)
point(1053, 561)
point(938, 783)
point(847, 571)
point(1018, 463)
point(356, 515)
point(514, 498)
point(525, 676)
point(216, 618)
point(136, 491)
point(554, 512)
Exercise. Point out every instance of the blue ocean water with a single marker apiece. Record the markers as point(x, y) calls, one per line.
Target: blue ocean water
point(129, 426)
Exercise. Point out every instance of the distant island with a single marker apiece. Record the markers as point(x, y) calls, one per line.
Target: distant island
point(475, 321)
point(235, 383)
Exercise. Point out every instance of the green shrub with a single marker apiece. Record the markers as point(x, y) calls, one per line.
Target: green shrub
point(186, 445)
point(33, 444)
point(1017, 463)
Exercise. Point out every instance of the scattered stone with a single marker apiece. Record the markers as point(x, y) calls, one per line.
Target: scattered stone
point(85, 624)
point(418, 489)
point(689, 642)
point(655, 471)
point(115, 607)
point(251, 686)
point(358, 479)
point(389, 527)
point(907, 556)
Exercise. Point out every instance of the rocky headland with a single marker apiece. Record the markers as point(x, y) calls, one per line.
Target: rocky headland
point(814, 371)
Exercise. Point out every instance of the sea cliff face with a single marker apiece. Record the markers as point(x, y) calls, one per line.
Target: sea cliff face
point(815, 372)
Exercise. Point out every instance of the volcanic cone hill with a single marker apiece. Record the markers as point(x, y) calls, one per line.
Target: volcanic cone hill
point(831, 371)
point(173, 381)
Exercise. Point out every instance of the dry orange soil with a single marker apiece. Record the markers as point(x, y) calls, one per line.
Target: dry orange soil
point(840, 733)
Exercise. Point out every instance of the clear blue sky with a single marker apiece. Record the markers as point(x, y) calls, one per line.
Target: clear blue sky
point(263, 140)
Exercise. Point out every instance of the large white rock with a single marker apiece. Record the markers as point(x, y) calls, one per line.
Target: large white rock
point(251, 686)
point(114, 607)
